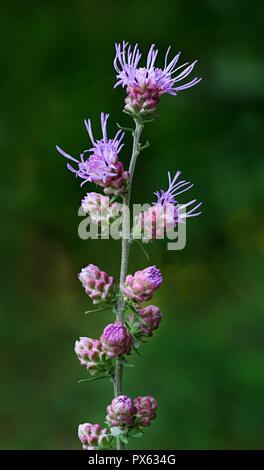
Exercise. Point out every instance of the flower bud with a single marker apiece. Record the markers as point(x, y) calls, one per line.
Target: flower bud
point(118, 183)
point(97, 284)
point(101, 212)
point(152, 316)
point(121, 412)
point(93, 437)
point(91, 355)
point(146, 410)
point(116, 340)
point(153, 223)
point(141, 286)
point(143, 99)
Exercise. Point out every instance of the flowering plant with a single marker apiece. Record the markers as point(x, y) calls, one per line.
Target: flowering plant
point(104, 358)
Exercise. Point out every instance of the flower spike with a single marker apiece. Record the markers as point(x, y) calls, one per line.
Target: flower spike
point(134, 322)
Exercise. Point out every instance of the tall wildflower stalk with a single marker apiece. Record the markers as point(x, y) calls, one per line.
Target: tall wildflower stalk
point(105, 358)
point(125, 251)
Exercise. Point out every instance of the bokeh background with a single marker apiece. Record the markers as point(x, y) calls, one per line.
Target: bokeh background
point(205, 363)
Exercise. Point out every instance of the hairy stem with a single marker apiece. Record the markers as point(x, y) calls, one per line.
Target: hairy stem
point(125, 253)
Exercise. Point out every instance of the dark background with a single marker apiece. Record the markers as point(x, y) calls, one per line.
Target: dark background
point(205, 363)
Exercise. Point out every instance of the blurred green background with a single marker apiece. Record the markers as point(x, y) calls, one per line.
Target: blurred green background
point(205, 363)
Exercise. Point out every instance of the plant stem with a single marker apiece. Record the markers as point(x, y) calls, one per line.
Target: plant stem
point(125, 253)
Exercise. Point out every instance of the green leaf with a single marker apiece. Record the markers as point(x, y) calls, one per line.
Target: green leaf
point(143, 147)
point(98, 310)
point(136, 349)
point(116, 431)
point(135, 329)
point(146, 121)
point(125, 363)
point(114, 198)
point(105, 376)
point(137, 435)
point(128, 129)
point(136, 314)
point(123, 438)
point(135, 432)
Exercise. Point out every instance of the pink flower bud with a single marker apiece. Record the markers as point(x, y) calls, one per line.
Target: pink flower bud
point(153, 223)
point(97, 284)
point(143, 99)
point(91, 355)
point(118, 183)
point(152, 316)
point(101, 212)
point(93, 437)
point(116, 340)
point(141, 286)
point(121, 412)
point(146, 410)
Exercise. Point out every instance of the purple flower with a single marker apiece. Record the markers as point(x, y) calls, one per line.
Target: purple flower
point(121, 412)
point(116, 340)
point(102, 167)
point(167, 199)
point(141, 286)
point(154, 275)
point(145, 85)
